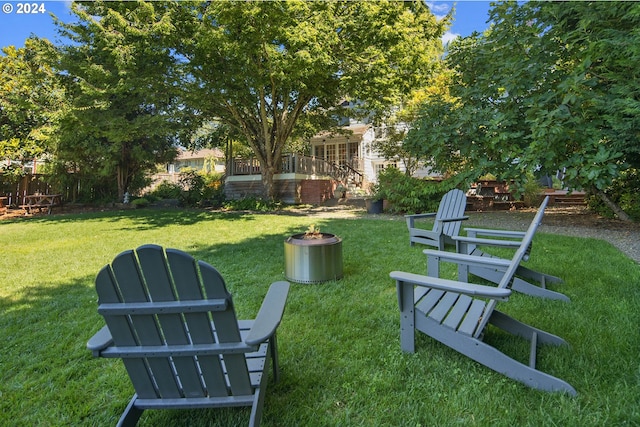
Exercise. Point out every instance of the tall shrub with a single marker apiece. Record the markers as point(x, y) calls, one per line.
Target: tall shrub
point(408, 194)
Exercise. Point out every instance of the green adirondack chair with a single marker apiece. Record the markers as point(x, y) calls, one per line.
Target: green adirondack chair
point(172, 322)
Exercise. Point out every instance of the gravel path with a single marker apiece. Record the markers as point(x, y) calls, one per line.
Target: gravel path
point(625, 237)
point(572, 221)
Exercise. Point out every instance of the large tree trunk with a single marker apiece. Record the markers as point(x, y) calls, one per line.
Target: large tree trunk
point(269, 190)
point(622, 215)
point(123, 181)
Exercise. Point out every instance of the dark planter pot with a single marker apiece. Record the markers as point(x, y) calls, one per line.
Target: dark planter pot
point(374, 206)
point(313, 260)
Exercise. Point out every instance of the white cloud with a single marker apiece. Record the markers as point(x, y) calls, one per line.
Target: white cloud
point(439, 9)
point(449, 36)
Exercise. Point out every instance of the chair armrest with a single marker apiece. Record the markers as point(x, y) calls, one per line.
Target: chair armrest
point(488, 242)
point(501, 294)
point(474, 232)
point(101, 340)
point(462, 218)
point(411, 218)
point(270, 313)
point(423, 215)
point(458, 258)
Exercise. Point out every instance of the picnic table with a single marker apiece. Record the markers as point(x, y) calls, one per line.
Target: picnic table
point(41, 201)
point(3, 206)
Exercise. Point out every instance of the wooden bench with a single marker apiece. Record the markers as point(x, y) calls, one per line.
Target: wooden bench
point(472, 260)
point(457, 314)
point(41, 201)
point(3, 206)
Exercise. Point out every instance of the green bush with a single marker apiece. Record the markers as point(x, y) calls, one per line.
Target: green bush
point(202, 189)
point(192, 183)
point(623, 192)
point(213, 191)
point(410, 195)
point(252, 204)
point(193, 189)
point(532, 192)
point(167, 190)
point(140, 203)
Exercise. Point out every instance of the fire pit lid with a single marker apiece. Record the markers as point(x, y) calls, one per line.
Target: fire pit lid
point(300, 240)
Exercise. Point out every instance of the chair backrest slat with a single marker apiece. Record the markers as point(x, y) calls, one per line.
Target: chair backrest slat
point(226, 326)
point(130, 283)
point(452, 205)
point(158, 277)
point(122, 334)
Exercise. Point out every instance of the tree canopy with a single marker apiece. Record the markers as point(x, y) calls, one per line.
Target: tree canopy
point(144, 76)
point(272, 70)
point(30, 101)
point(551, 86)
point(121, 78)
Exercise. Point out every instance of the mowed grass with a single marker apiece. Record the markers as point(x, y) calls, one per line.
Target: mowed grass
point(339, 341)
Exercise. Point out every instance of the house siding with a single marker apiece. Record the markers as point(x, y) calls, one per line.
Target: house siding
point(290, 188)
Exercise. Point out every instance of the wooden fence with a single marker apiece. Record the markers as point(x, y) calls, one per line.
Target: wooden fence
point(15, 191)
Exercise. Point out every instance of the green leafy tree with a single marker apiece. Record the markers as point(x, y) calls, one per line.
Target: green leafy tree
point(31, 101)
point(549, 87)
point(121, 79)
point(415, 149)
point(273, 70)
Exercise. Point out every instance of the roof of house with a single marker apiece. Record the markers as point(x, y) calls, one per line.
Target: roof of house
point(357, 130)
point(200, 154)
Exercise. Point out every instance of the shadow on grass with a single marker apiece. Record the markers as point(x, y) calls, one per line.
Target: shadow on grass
point(44, 325)
point(150, 217)
point(339, 341)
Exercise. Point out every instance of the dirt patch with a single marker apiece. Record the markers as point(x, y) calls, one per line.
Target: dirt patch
point(573, 216)
point(66, 209)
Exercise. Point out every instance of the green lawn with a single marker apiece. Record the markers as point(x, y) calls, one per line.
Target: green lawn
point(339, 341)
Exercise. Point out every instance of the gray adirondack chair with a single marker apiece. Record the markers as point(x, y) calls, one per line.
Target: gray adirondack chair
point(172, 322)
point(471, 259)
point(447, 221)
point(457, 314)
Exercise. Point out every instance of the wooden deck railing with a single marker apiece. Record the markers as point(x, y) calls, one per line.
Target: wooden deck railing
point(291, 163)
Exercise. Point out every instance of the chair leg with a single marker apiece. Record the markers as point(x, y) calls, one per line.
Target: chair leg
point(131, 414)
point(527, 288)
point(273, 348)
point(515, 327)
point(256, 408)
point(496, 360)
point(260, 390)
point(542, 278)
point(493, 358)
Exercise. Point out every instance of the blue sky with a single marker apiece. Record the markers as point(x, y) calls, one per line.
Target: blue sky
point(15, 27)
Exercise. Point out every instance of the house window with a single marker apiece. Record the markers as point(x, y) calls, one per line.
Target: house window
point(342, 153)
point(330, 153)
point(380, 166)
point(353, 150)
